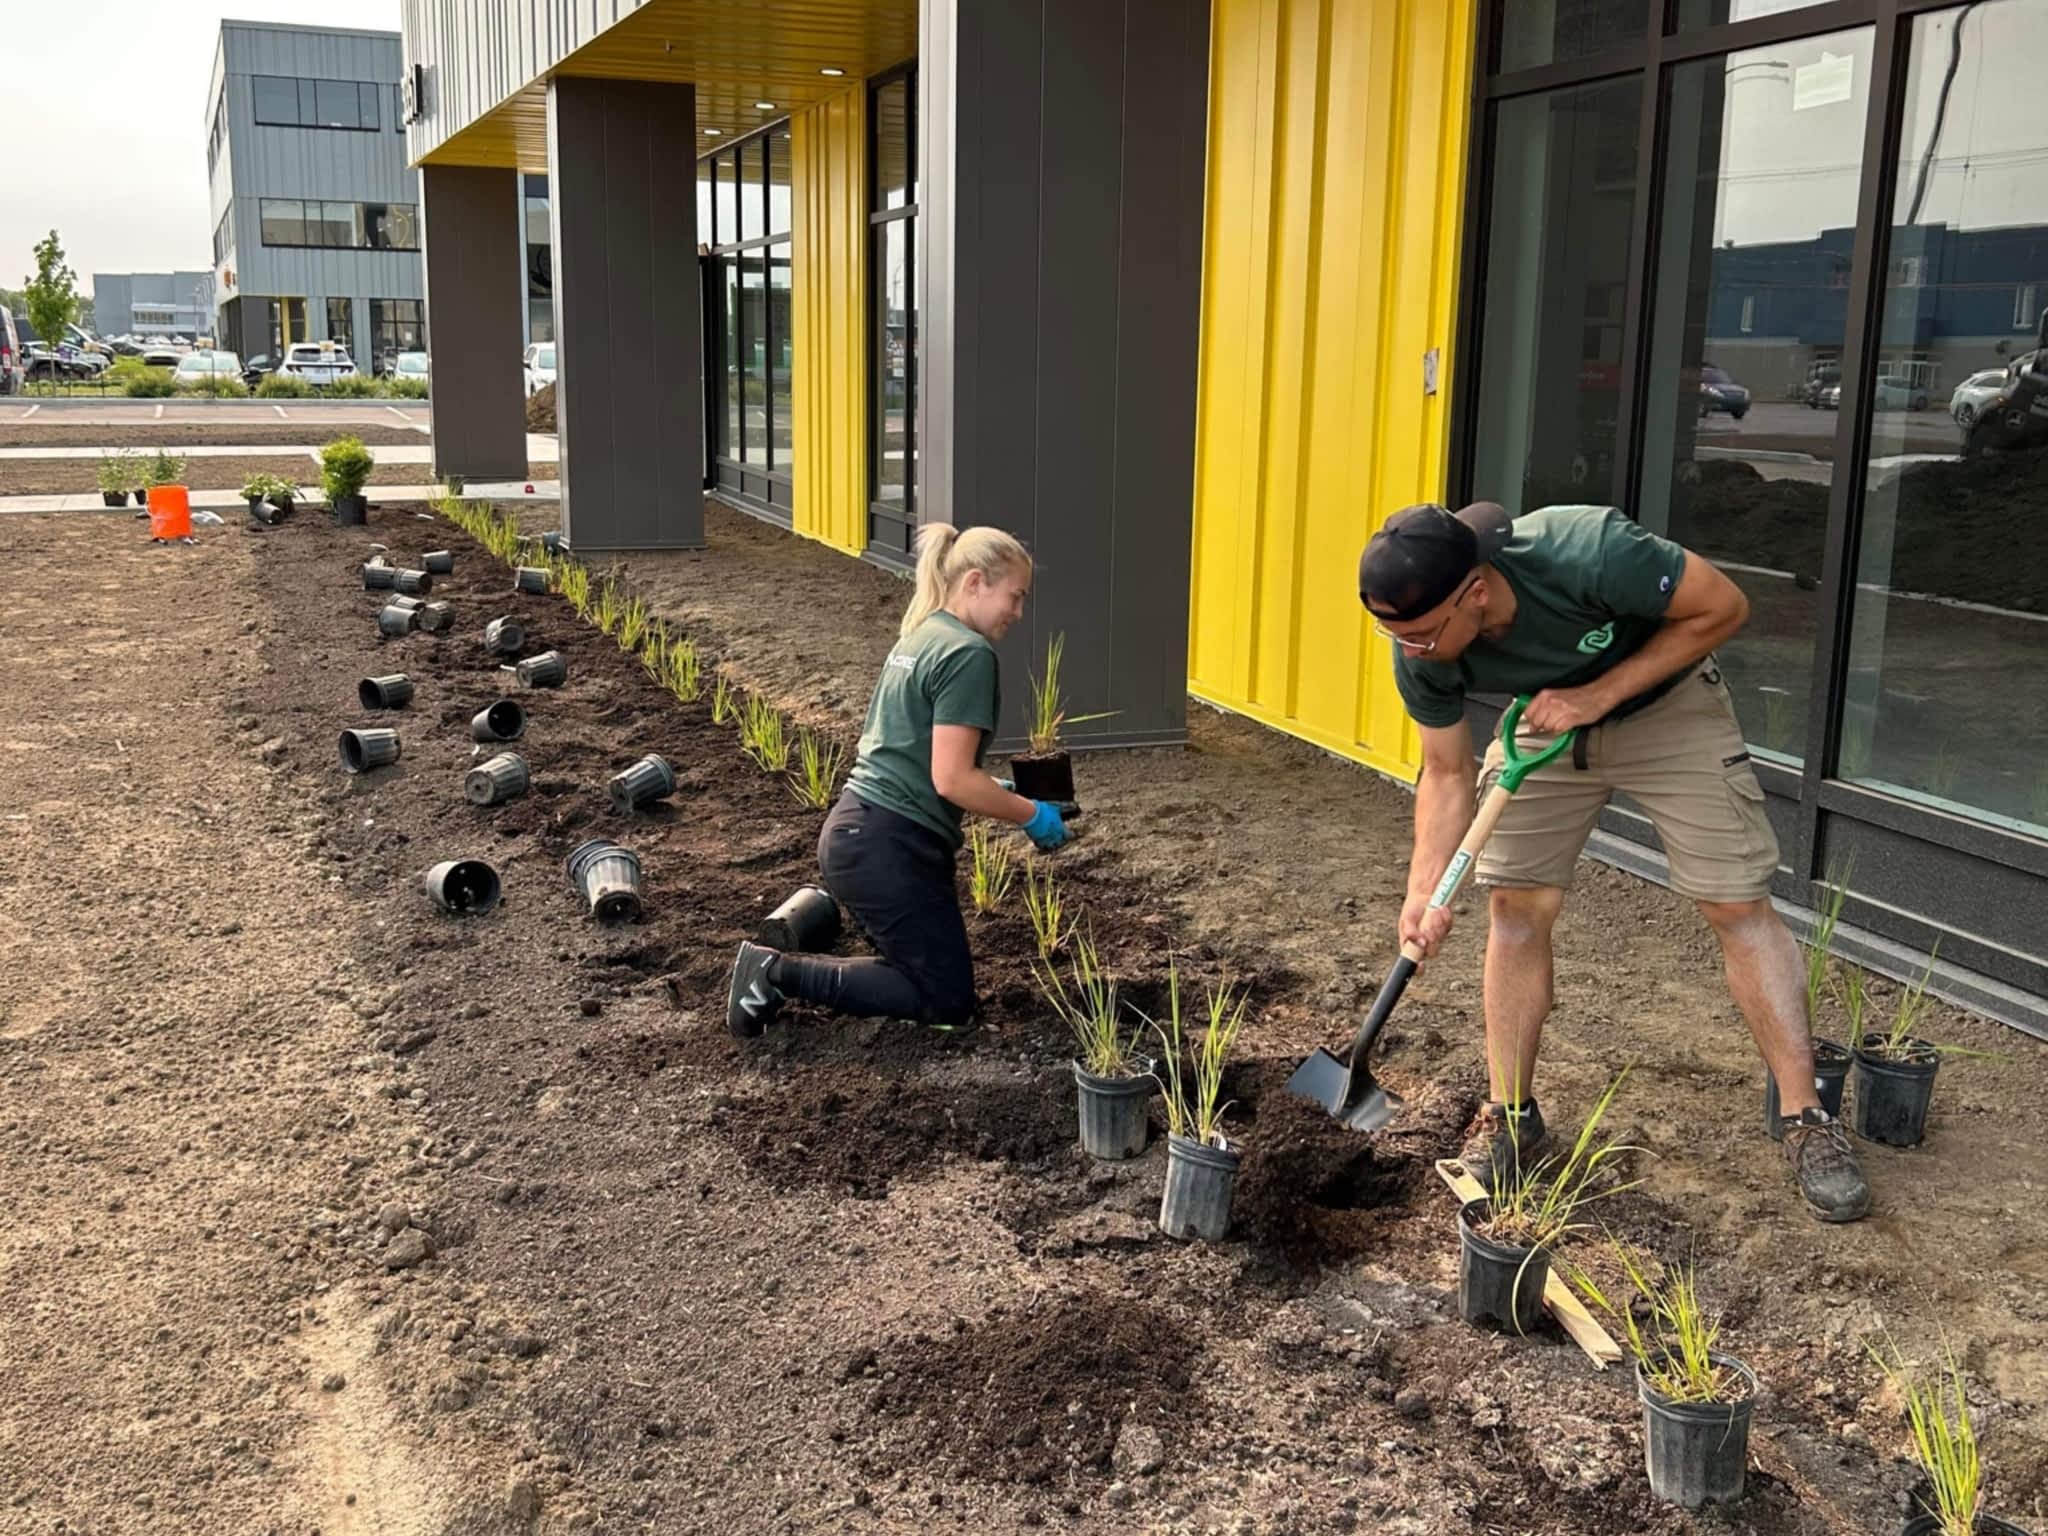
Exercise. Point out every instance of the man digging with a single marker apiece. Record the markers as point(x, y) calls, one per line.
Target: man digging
point(1611, 630)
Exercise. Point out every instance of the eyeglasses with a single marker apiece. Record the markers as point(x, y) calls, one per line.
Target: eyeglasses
point(1421, 647)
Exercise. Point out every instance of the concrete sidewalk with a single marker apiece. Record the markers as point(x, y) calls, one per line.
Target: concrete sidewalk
point(541, 448)
point(231, 500)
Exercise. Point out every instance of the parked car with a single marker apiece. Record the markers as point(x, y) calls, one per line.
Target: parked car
point(1829, 398)
point(258, 368)
point(201, 365)
point(317, 362)
point(1718, 392)
point(1893, 393)
point(540, 365)
point(1975, 392)
point(68, 361)
point(155, 356)
point(410, 365)
point(13, 369)
point(1820, 378)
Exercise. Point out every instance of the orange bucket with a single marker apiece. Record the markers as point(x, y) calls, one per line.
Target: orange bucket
point(170, 512)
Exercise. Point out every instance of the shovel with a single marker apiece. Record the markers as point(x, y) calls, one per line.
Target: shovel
point(1344, 1086)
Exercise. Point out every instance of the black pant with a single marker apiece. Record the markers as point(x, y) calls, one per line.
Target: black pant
point(896, 878)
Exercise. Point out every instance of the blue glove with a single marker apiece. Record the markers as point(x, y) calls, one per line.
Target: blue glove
point(1046, 828)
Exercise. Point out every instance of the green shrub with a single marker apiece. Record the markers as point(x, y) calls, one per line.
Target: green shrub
point(119, 472)
point(165, 468)
point(345, 466)
point(406, 389)
point(353, 386)
point(283, 386)
point(214, 387)
point(150, 384)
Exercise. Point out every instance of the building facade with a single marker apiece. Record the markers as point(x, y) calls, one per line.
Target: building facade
point(1193, 293)
point(316, 223)
point(153, 304)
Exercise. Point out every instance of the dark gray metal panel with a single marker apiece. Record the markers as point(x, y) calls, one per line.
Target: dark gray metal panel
point(475, 315)
point(628, 343)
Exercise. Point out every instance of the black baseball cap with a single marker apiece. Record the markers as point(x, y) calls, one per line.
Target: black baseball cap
point(1422, 555)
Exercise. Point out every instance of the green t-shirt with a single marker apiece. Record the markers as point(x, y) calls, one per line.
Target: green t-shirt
point(1590, 587)
point(941, 673)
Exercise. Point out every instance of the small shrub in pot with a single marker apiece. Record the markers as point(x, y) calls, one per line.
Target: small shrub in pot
point(1201, 1164)
point(1115, 1083)
point(345, 466)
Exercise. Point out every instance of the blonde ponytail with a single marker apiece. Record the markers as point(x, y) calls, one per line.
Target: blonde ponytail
point(946, 554)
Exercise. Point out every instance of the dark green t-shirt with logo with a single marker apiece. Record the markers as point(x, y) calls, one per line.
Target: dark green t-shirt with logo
point(1591, 587)
point(941, 673)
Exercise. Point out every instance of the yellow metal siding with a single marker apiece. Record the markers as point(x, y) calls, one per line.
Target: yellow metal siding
point(1337, 142)
point(828, 320)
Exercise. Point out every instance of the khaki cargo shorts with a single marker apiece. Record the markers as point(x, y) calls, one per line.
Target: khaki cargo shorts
point(1682, 759)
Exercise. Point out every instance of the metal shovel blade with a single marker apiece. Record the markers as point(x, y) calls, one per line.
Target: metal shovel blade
point(1352, 1097)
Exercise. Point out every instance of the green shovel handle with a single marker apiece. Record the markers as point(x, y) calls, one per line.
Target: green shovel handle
point(1517, 767)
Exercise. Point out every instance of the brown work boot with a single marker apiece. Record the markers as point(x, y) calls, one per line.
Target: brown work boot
point(1500, 1138)
point(1824, 1165)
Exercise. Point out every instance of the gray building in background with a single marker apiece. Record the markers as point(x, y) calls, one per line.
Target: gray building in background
point(316, 224)
point(153, 304)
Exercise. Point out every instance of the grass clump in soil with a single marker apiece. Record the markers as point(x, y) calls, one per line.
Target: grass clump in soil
point(1091, 1011)
point(1944, 1440)
point(1534, 1205)
point(1050, 925)
point(993, 874)
point(1667, 1329)
point(764, 735)
point(1193, 1080)
point(819, 761)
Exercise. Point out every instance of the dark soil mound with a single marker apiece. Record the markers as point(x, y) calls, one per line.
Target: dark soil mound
point(540, 409)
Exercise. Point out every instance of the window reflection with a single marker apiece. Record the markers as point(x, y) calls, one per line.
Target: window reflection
point(781, 357)
point(753, 362)
point(1946, 699)
point(892, 272)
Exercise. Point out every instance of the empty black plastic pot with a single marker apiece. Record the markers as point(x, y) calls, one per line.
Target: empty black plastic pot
point(1114, 1124)
point(1892, 1096)
point(396, 619)
point(406, 601)
point(362, 750)
point(439, 562)
point(1987, 1525)
point(1500, 1285)
point(1697, 1453)
point(379, 577)
point(504, 637)
point(608, 879)
point(806, 923)
point(496, 779)
point(503, 721)
point(463, 885)
point(393, 692)
point(550, 669)
point(437, 617)
point(1199, 1182)
point(529, 578)
point(1830, 1071)
point(551, 541)
point(419, 583)
point(646, 781)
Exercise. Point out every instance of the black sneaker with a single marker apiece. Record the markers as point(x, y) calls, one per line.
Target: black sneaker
point(1824, 1165)
point(1501, 1137)
point(753, 999)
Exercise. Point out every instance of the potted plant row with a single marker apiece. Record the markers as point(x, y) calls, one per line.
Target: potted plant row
point(1201, 1164)
point(270, 497)
point(1115, 1082)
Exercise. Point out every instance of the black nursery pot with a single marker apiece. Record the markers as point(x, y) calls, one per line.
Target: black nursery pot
point(141, 499)
point(392, 692)
point(550, 669)
point(437, 618)
point(350, 511)
point(120, 499)
point(1830, 1071)
point(1500, 1285)
point(1892, 1097)
point(1199, 1182)
point(1987, 1525)
point(502, 721)
point(1043, 776)
point(646, 781)
point(806, 923)
point(496, 779)
point(366, 749)
point(260, 511)
point(438, 562)
point(419, 583)
point(1114, 1123)
point(504, 637)
point(529, 578)
point(608, 879)
point(379, 577)
point(463, 885)
point(1697, 1453)
point(395, 619)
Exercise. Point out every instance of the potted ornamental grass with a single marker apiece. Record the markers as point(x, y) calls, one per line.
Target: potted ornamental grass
point(1895, 1065)
point(1944, 1444)
point(1115, 1081)
point(1506, 1239)
point(1201, 1163)
point(345, 466)
point(1831, 1058)
point(1696, 1398)
point(1046, 772)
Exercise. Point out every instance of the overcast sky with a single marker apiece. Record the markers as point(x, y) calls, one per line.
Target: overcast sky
point(105, 113)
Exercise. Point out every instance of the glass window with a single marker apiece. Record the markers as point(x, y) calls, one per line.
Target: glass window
point(396, 325)
point(781, 354)
point(335, 104)
point(341, 324)
point(284, 221)
point(1548, 380)
point(730, 349)
point(777, 144)
point(367, 115)
point(1946, 700)
point(337, 225)
point(1693, 14)
point(753, 360)
point(892, 145)
point(706, 233)
point(727, 200)
point(276, 99)
point(391, 226)
point(1536, 32)
point(892, 359)
point(1749, 291)
point(753, 215)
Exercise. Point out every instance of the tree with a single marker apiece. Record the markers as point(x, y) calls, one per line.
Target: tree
point(51, 295)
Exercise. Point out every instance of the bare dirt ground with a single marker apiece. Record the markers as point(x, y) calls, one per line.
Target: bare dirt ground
point(57, 477)
point(572, 1258)
point(172, 433)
